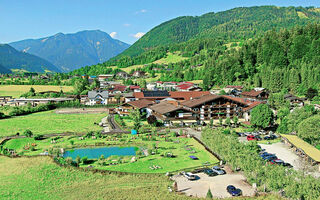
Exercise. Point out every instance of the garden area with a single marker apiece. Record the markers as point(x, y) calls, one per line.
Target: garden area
point(49, 122)
point(158, 153)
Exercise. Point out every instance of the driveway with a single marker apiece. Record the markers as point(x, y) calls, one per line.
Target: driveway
point(217, 185)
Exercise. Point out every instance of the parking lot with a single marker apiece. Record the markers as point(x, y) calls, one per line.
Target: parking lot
point(217, 185)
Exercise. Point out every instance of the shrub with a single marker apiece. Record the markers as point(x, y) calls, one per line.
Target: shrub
point(28, 133)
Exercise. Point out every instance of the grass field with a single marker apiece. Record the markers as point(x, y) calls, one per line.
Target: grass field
point(181, 161)
point(49, 122)
point(171, 58)
point(17, 90)
point(39, 178)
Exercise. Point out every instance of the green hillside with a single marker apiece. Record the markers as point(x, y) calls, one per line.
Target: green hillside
point(237, 23)
point(10, 58)
point(207, 36)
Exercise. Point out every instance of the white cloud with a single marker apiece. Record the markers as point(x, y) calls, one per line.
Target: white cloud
point(113, 34)
point(141, 11)
point(138, 35)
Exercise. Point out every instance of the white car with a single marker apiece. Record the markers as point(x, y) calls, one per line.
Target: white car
point(189, 176)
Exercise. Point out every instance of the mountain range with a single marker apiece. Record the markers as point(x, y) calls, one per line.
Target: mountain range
point(71, 51)
point(11, 59)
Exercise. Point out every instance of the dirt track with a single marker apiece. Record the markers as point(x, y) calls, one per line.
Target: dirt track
point(81, 110)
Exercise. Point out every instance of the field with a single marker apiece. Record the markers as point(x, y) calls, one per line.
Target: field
point(176, 146)
point(171, 58)
point(49, 122)
point(17, 90)
point(40, 178)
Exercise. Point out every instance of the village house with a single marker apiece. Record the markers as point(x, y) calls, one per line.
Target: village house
point(117, 89)
point(123, 75)
point(256, 94)
point(105, 77)
point(5, 99)
point(134, 88)
point(35, 102)
point(126, 108)
point(187, 86)
point(295, 101)
point(138, 74)
point(97, 97)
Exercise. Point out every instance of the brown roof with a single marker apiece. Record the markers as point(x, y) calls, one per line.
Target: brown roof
point(252, 93)
point(198, 101)
point(143, 103)
point(188, 95)
point(235, 86)
point(204, 99)
point(164, 107)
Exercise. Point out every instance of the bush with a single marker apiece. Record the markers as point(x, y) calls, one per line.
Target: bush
point(28, 133)
point(38, 137)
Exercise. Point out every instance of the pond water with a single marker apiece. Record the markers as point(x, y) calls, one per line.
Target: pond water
point(95, 153)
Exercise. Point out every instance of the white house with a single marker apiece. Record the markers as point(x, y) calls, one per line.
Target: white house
point(97, 97)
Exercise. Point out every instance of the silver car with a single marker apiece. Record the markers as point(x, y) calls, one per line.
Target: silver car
point(218, 170)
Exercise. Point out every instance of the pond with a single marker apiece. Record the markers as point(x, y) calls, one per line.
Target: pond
point(95, 153)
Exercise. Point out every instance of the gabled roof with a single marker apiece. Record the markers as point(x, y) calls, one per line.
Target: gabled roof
point(252, 93)
point(165, 107)
point(188, 95)
point(235, 86)
point(201, 100)
point(184, 86)
point(141, 103)
point(93, 94)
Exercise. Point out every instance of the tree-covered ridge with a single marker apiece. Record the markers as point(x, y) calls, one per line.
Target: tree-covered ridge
point(286, 59)
point(237, 23)
point(4, 70)
point(10, 58)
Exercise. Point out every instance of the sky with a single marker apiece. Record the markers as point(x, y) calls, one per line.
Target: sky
point(126, 20)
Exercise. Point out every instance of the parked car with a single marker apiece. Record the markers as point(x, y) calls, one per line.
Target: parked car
point(277, 162)
point(210, 172)
point(271, 157)
point(241, 134)
point(218, 170)
point(233, 190)
point(189, 176)
point(253, 137)
point(270, 137)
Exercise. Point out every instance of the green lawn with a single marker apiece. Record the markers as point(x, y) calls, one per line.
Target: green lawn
point(143, 163)
point(49, 123)
point(170, 58)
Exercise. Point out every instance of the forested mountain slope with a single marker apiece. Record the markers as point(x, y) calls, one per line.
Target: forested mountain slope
point(10, 58)
point(72, 51)
point(4, 70)
point(238, 23)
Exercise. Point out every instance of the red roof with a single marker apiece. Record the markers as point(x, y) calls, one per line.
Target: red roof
point(132, 87)
point(235, 86)
point(119, 87)
point(184, 86)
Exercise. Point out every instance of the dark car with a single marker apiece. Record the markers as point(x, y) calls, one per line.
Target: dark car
point(270, 137)
point(210, 172)
point(233, 190)
point(270, 158)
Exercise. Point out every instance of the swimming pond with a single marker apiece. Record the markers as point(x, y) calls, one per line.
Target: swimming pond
point(95, 153)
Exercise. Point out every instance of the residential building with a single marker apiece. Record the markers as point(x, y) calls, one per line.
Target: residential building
point(257, 94)
point(104, 77)
point(123, 75)
point(294, 100)
point(98, 97)
point(138, 74)
point(141, 105)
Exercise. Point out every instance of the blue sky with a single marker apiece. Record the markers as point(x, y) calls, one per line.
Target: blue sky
point(127, 20)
